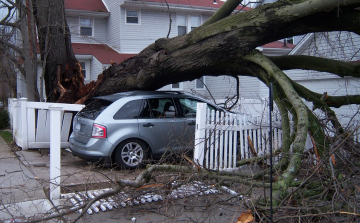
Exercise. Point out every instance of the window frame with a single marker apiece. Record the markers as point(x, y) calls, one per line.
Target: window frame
point(119, 115)
point(182, 107)
point(138, 17)
point(292, 40)
point(188, 24)
point(177, 89)
point(92, 27)
point(203, 83)
point(87, 69)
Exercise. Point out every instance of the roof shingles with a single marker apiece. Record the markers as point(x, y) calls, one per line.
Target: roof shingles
point(101, 52)
point(86, 5)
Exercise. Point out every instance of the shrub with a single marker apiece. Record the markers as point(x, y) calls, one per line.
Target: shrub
point(4, 119)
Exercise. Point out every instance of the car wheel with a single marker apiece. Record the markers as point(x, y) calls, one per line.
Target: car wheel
point(131, 154)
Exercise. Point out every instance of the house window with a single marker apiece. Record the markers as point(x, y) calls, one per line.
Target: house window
point(200, 83)
point(86, 27)
point(290, 40)
point(187, 23)
point(181, 21)
point(85, 66)
point(176, 86)
point(132, 17)
point(195, 22)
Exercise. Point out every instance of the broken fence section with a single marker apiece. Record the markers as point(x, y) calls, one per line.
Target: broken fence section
point(223, 138)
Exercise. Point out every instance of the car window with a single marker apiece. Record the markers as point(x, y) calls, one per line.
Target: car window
point(93, 109)
point(129, 111)
point(159, 108)
point(167, 108)
point(189, 106)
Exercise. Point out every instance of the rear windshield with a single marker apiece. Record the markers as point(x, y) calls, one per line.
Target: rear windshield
point(93, 110)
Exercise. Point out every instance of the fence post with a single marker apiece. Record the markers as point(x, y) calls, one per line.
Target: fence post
point(200, 133)
point(23, 113)
point(14, 117)
point(10, 110)
point(55, 152)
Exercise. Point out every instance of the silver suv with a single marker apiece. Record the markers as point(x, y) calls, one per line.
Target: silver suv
point(127, 128)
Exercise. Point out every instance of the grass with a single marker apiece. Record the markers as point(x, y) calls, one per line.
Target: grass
point(7, 136)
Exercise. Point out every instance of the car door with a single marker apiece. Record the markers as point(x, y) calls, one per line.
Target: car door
point(188, 110)
point(159, 124)
point(188, 107)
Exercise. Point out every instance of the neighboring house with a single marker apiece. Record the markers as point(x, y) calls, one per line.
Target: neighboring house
point(106, 31)
point(335, 45)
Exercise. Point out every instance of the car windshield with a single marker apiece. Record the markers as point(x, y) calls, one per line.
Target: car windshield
point(93, 110)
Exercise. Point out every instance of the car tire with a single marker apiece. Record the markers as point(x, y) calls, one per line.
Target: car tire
point(131, 154)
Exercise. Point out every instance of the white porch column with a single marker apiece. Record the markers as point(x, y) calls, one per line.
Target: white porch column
point(55, 152)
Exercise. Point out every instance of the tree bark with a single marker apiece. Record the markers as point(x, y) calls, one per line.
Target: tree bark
point(29, 52)
point(62, 72)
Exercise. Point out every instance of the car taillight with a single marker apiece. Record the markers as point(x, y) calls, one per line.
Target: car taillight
point(98, 131)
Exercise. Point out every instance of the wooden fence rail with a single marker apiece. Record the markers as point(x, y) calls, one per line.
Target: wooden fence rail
point(30, 122)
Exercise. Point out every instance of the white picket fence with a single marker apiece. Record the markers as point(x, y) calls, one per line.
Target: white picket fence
point(49, 129)
point(30, 122)
point(223, 138)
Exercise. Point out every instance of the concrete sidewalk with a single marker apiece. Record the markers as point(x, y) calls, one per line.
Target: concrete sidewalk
point(25, 177)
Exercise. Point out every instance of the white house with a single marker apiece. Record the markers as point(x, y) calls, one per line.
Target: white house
point(114, 30)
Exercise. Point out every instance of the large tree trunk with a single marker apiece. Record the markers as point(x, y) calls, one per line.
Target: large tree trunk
point(63, 77)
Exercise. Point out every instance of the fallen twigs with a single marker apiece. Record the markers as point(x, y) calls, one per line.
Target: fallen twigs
point(145, 176)
point(315, 215)
point(256, 159)
point(337, 146)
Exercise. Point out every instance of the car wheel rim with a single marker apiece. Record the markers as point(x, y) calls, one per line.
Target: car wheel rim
point(132, 154)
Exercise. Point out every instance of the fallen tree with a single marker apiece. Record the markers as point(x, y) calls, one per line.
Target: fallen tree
point(225, 45)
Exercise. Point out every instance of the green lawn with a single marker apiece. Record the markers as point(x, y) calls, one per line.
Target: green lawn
point(7, 136)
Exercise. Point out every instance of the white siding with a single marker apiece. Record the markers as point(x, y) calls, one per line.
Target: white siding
point(113, 23)
point(335, 45)
point(249, 87)
point(95, 69)
point(73, 23)
point(152, 26)
point(334, 87)
point(227, 89)
point(99, 31)
point(337, 87)
point(21, 84)
point(224, 87)
point(298, 74)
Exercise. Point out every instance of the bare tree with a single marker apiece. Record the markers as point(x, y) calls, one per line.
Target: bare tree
point(8, 74)
point(19, 26)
